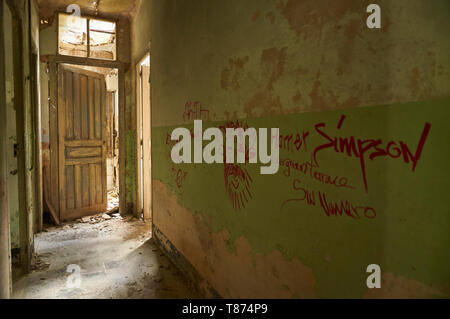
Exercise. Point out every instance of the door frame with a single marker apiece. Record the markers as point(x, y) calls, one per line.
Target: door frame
point(22, 96)
point(139, 125)
point(5, 235)
point(54, 62)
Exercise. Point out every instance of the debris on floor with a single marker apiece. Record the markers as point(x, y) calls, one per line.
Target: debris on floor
point(113, 201)
point(116, 257)
point(37, 264)
point(112, 211)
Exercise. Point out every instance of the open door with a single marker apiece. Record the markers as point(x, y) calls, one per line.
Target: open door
point(146, 142)
point(82, 142)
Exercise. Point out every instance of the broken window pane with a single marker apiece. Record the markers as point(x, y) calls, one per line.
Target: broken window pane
point(102, 45)
point(102, 39)
point(72, 35)
point(103, 26)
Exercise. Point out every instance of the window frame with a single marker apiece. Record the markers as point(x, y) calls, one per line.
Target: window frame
point(88, 19)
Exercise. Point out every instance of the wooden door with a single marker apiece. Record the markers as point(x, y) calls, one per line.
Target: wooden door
point(146, 142)
point(82, 142)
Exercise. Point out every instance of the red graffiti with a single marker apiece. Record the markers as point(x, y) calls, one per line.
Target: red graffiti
point(370, 148)
point(237, 179)
point(172, 143)
point(195, 111)
point(237, 184)
point(309, 169)
point(340, 208)
point(239, 147)
point(294, 142)
point(179, 176)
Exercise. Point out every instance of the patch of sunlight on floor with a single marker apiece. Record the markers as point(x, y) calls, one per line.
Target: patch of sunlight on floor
point(117, 259)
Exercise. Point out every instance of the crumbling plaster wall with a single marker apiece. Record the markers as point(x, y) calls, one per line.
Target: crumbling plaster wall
point(293, 64)
point(26, 12)
point(11, 137)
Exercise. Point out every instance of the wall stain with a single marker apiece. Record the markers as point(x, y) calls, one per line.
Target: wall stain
point(265, 102)
point(273, 61)
point(326, 99)
point(296, 98)
point(246, 274)
point(317, 56)
point(271, 17)
point(414, 79)
point(233, 73)
point(307, 21)
point(256, 16)
point(395, 286)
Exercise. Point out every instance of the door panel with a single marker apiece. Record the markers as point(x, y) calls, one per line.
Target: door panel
point(146, 142)
point(82, 142)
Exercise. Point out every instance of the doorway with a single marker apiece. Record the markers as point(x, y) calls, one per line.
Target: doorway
point(87, 144)
point(143, 97)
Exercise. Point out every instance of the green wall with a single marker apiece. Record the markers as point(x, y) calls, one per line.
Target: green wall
point(400, 222)
point(294, 64)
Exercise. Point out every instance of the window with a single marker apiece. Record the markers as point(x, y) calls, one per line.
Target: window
point(85, 37)
point(72, 36)
point(102, 39)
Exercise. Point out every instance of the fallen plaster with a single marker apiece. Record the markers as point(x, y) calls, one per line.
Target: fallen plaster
point(117, 260)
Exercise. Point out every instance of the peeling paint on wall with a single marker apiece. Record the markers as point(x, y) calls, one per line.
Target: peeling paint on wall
point(244, 274)
point(295, 64)
point(321, 212)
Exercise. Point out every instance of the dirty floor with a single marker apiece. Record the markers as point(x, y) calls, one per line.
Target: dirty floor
point(117, 259)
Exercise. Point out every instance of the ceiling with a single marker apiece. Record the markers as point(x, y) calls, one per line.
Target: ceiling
point(88, 7)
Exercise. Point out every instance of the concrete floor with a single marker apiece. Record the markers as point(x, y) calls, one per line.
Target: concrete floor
point(117, 260)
